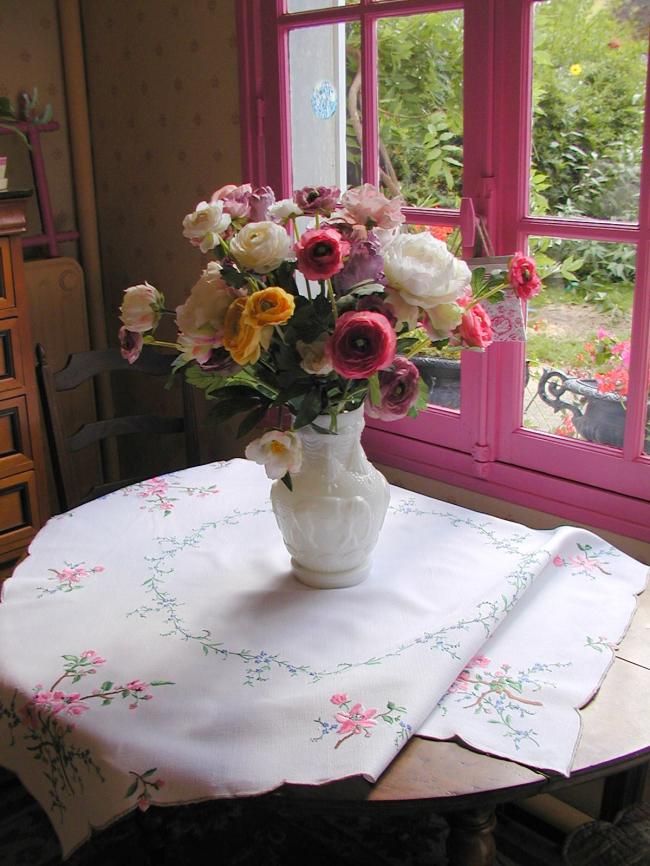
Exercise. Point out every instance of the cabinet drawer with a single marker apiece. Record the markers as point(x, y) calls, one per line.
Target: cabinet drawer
point(7, 294)
point(11, 370)
point(18, 509)
point(15, 445)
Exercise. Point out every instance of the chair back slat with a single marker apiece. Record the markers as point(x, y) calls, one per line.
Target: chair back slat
point(81, 367)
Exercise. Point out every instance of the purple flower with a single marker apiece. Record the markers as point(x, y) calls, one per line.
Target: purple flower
point(317, 199)
point(364, 264)
point(378, 304)
point(220, 362)
point(399, 386)
point(260, 201)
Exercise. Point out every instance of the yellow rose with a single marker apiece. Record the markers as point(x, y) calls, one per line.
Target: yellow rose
point(241, 338)
point(272, 306)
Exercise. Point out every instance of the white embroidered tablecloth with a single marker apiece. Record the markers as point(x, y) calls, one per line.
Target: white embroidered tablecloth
point(155, 647)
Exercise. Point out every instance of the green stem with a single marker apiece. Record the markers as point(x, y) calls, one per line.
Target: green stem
point(164, 344)
point(330, 292)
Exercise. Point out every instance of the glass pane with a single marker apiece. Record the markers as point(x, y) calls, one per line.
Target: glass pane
point(309, 5)
point(421, 107)
point(325, 139)
point(441, 367)
point(588, 102)
point(578, 340)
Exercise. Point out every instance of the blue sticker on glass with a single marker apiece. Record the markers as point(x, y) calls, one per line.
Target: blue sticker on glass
point(324, 101)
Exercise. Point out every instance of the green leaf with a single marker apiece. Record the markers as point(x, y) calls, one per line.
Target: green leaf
point(375, 390)
point(252, 420)
point(310, 408)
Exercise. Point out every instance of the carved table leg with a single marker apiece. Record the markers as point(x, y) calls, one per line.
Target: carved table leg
point(471, 840)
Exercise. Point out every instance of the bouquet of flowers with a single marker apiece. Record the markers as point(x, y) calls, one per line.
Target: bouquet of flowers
point(315, 304)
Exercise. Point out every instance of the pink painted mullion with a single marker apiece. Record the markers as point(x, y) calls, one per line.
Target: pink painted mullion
point(580, 229)
point(431, 216)
point(370, 99)
point(334, 14)
point(512, 142)
point(640, 338)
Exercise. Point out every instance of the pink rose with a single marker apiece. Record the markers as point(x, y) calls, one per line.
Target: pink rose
point(475, 329)
point(362, 343)
point(399, 386)
point(317, 199)
point(522, 275)
point(320, 253)
point(366, 206)
point(131, 343)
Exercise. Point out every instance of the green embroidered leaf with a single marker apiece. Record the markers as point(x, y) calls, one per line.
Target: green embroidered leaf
point(162, 683)
point(149, 772)
point(106, 686)
point(131, 789)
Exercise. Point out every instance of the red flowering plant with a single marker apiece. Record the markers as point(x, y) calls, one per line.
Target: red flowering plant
point(316, 304)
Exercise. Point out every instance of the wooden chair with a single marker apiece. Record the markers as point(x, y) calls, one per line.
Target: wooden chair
point(80, 368)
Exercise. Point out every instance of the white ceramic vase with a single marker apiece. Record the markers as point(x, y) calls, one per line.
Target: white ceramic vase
point(330, 521)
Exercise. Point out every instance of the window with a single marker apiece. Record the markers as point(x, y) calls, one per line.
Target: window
point(475, 107)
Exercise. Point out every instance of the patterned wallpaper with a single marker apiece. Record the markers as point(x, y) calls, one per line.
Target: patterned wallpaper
point(30, 57)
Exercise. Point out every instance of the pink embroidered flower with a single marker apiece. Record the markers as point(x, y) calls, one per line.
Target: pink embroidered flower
point(356, 721)
point(479, 662)
point(339, 699)
point(71, 574)
point(458, 686)
point(522, 275)
point(320, 253)
point(136, 686)
point(399, 387)
point(557, 560)
point(143, 803)
point(362, 343)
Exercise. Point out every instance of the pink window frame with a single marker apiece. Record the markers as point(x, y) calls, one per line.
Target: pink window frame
point(482, 448)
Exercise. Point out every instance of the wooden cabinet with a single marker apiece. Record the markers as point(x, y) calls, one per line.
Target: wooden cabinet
point(23, 494)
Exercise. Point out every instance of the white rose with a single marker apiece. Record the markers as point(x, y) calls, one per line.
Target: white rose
point(206, 224)
point(202, 315)
point(278, 451)
point(141, 308)
point(315, 360)
point(423, 270)
point(284, 209)
point(444, 318)
point(262, 247)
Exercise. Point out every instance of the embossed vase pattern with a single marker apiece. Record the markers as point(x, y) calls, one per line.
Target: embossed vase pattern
point(330, 521)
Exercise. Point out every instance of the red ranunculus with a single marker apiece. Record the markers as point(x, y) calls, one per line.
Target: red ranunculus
point(523, 277)
point(362, 343)
point(320, 253)
point(475, 329)
point(399, 387)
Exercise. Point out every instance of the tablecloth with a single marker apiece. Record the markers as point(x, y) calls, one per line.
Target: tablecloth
point(156, 648)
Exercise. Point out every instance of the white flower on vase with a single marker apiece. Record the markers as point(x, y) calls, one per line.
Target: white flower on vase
point(206, 224)
point(262, 247)
point(279, 451)
point(424, 271)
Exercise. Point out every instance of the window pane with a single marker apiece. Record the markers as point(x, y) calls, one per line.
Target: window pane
point(589, 69)
point(421, 107)
point(578, 340)
point(309, 5)
point(325, 141)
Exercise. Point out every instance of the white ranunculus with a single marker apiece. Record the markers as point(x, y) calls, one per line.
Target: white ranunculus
point(141, 308)
point(262, 247)
point(423, 271)
point(284, 209)
point(443, 319)
point(202, 315)
point(206, 224)
point(279, 451)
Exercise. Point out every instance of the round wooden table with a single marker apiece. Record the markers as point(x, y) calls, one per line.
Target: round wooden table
point(448, 777)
